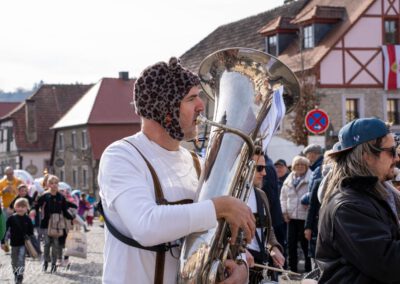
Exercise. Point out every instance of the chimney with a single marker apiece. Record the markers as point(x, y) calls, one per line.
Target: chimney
point(124, 75)
point(30, 121)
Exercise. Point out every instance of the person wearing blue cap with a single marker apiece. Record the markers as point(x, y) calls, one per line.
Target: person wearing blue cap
point(359, 233)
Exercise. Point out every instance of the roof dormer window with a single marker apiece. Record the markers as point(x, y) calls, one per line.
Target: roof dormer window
point(278, 33)
point(308, 36)
point(272, 45)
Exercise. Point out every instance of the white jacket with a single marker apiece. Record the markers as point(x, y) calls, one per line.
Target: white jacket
point(291, 196)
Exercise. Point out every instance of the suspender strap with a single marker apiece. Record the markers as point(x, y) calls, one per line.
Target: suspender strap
point(261, 214)
point(157, 186)
point(160, 199)
point(160, 257)
point(196, 163)
point(125, 239)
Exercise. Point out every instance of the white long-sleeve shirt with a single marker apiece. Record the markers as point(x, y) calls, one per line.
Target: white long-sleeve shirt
point(127, 193)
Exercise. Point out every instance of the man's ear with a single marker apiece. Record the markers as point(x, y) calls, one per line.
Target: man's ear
point(369, 159)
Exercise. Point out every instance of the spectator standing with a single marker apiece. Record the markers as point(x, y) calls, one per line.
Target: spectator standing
point(294, 212)
point(358, 239)
point(282, 172)
point(313, 153)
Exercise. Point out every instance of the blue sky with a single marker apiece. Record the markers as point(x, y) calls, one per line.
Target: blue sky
point(85, 40)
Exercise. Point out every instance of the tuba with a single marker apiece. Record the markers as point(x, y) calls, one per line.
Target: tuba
point(241, 82)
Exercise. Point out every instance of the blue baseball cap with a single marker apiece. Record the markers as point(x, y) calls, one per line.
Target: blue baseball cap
point(359, 131)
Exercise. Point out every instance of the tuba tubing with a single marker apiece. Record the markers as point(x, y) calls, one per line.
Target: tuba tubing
point(241, 82)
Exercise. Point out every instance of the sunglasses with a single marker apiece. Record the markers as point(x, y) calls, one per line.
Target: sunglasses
point(260, 168)
point(392, 150)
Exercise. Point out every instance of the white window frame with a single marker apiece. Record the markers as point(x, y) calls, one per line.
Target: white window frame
point(75, 177)
point(84, 139)
point(308, 37)
point(269, 39)
point(60, 141)
point(73, 140)
point(387, 97)
point(61, 175)
point(361, 105)
point(85, 179)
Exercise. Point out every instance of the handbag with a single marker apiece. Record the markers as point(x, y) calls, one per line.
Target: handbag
point(32, 248)
point(56, 225)
point(76, 244)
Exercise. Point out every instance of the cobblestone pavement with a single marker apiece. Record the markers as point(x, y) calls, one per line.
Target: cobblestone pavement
point(86, 271)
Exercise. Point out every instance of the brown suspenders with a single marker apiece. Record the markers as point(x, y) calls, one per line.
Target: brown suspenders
point(160, 200)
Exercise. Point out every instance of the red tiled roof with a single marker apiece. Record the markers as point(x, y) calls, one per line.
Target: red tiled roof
point(279, 23)
point(113, 103)
point(320, 12)
point(107, 102)
point(5, 108)
point(51, 102)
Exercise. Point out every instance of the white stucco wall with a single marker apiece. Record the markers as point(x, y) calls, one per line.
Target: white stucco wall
point(37, 159)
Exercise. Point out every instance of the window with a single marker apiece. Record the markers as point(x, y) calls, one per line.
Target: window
point(352, 111)
point(61, 175)
point(73, 139)
point(60, 141)
point(391, 31)
point(84, 139)
point(10, 136)
point(84, 177)
point(272, 45)
point(392, 106)
point(308, 34)
point(75, 177)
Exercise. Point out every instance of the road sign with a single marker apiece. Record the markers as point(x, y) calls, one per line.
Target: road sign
point(317, 121)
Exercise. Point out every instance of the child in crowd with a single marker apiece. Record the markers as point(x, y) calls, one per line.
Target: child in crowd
point(90, 215)
point(72, 209)
point(19, 225)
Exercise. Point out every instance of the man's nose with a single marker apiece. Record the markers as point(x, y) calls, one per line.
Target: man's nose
point(200, 105)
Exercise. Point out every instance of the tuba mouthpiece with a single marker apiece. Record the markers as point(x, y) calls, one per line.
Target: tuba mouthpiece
point(201, 119)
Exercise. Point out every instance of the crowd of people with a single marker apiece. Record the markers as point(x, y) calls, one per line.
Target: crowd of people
point(340, 207)
point(44, 218)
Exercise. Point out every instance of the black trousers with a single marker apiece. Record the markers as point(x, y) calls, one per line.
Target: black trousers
point(295, 235)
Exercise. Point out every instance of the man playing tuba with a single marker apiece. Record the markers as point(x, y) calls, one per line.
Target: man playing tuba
point(147, 181)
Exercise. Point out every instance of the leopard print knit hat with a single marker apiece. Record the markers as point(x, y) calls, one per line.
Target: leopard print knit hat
point(158, 93)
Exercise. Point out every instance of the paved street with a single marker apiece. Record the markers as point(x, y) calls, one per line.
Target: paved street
point(86, 271)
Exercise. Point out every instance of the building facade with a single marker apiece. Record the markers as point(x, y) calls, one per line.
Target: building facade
point(103, 115)
point(25, 136)
point(335, 49)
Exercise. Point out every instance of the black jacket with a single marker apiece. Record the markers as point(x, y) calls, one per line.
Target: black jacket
point(51, 204)
point(359, 238)
point(19, 226)
point(270, 187)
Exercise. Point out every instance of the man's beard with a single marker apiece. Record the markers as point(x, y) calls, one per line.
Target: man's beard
point(392, 173)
